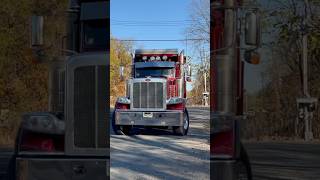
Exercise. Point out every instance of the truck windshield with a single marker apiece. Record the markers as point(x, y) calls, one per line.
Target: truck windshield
point(95, 35)
point(154, 72)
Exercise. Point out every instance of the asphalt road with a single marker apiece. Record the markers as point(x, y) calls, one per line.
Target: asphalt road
point(285, 161)
point(158, 154)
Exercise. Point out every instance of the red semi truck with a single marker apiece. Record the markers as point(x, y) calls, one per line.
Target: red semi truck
point(156, 92)
point(234, 31)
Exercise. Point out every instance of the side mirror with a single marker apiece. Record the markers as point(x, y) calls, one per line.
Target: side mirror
point(252, 29)
point(36, 31)
point(121, 72)
point(188, 70)
point(188, 73)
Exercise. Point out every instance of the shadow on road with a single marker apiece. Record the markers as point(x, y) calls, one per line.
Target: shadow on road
point(162, 158)
point(152, 153)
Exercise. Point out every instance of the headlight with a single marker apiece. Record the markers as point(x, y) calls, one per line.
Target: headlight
point(175, 100)
point(43, 122)
point(123, 100)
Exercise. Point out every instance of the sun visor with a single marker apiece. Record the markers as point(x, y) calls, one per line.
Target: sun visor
point(155, 64)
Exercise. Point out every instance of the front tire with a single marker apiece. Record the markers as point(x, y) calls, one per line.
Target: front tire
point(182, 130)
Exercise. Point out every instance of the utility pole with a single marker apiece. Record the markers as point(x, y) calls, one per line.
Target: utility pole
point(305, 49)
point(307, 104)
point(205, 94)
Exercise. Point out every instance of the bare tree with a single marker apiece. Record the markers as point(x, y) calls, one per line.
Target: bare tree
point(199, 29)
point(285, 22)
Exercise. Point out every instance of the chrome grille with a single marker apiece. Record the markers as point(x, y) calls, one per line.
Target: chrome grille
point(148, 95)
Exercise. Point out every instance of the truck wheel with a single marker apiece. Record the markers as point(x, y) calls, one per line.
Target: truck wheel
point(125, 130)
point(244, 167)
point(119, 130)
point(183, 130)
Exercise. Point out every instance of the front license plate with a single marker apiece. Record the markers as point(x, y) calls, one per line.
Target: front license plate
point(147, 114)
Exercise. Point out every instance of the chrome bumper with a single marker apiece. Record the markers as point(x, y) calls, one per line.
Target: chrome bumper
point(137, 118)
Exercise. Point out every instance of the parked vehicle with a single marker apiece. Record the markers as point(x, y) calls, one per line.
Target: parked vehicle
point(156, 92)
point(235, 30)
point(71, 140)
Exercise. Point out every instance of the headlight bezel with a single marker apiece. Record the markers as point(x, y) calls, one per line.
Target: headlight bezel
point(176, 100)
point(123, 100)
point(43, 122)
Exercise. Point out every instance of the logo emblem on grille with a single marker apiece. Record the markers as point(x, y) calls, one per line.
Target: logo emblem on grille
point(148, 80)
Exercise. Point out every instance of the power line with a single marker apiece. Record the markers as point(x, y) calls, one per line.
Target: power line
point(151, 23)
point(158, 39)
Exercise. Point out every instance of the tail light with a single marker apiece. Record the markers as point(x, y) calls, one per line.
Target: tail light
point(223, 137)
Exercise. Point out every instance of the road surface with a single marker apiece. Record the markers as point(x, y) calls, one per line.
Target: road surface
point(158, 154)
point(147, 156)
point(5, 156)
point(285, 161)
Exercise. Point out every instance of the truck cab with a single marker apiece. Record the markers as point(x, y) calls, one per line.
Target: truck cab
point(155, 92)
point(70, 141)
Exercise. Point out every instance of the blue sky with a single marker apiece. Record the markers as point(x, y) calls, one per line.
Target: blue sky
point(150, 13)
point(151, 19)
point(142, 19)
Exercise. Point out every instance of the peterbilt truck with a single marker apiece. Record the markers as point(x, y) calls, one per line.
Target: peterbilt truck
point(234, 33)
point(70, 141)
point(155, 92)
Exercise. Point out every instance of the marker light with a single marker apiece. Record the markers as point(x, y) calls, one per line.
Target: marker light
point(164, 57)
point(158, 58)
point(152, 58)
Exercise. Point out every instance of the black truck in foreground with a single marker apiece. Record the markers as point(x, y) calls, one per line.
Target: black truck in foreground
point(70, 142)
